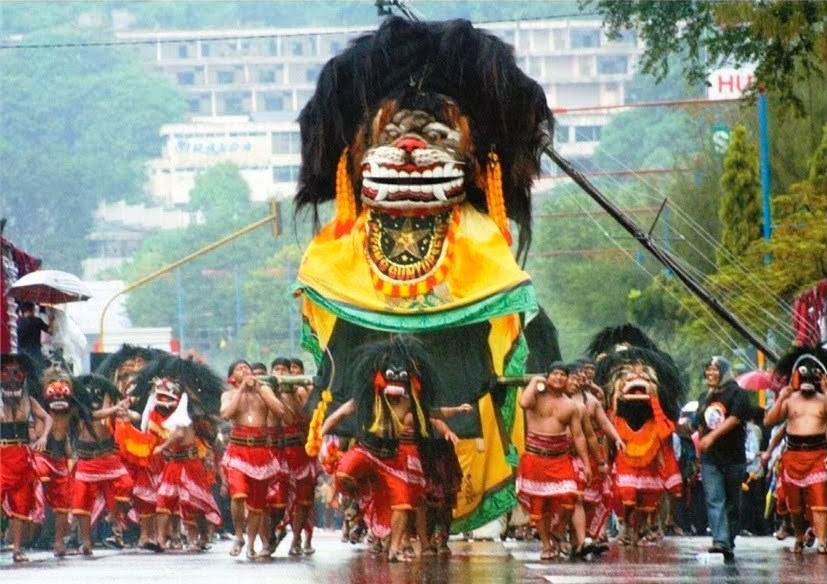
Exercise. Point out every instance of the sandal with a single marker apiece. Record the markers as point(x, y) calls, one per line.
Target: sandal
point(153, 547)
point(548, 555)
point(428, 551)
point(398, 557)
point(822, 548)
point(19, 557)
point(798, 547)
point(251, 553)
point(238, 545)
point(809, 537)
point(623, 540)
point(444, 550)
point(308, 549)
point(115, 541)
point(295, 550)
point(85, 550)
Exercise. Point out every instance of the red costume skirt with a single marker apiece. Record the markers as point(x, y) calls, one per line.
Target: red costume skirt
point(186, 482)
point(382, 484)
point(278, 488)
point(780, 493)
point(805, 479)
point(103, 477)
point(399, 477)
point(638, 486)
point(546, 478)
point(57, 482)
point(17, 475)
point(251, 464)
point(146, 479)
point(416, 476)
point(597, 497)
point(670, 472)
point(303, 470)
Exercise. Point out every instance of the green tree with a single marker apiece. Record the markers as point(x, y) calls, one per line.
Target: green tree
point(78, 125)
point(220, 192)
point(740, 210)
point(582, 277)
point(798, 252)
point(784, 39)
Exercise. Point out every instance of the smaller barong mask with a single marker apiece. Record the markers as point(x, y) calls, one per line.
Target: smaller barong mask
point(633, 386)
point(13, 379)
point(386, 373)
point(807, 374)
point(57, 390)
point(18, 377)
point(167, 395)
point(635, 375)
point(804, 368)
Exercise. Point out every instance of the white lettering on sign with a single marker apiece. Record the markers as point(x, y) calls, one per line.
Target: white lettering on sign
point(729, 83)
point(212, 148)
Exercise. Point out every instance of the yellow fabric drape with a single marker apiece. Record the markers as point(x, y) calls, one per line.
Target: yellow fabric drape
point(484, 467)
point(338, 268)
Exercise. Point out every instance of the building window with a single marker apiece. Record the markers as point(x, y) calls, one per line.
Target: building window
point(225, 77)
point(535, 67)
point(585, 39)
point(186, 78)
point(297, 48)
point(205, 50)
point(561, 134)
point(232, 105)
point(587, 133)
point(628, 38)
point(194, 105)
point(183, 51)
point(285, 173)
point(286, 143)
point(266, 76)
point(612, 65)
point(312, 73)
point(273, 103)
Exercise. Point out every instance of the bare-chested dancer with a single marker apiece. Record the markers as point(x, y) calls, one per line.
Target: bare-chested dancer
point(546, 479)
point(803, 404)
point(250, 462)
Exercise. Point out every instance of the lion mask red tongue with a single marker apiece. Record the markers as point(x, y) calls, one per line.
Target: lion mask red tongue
point(394, 383)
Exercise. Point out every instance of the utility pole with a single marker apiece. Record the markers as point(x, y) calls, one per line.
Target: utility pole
point(663, 256)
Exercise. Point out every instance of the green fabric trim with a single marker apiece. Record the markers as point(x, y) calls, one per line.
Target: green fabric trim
point(493, 505)
point(515, 365)
point(310, 341)
point(520, 299)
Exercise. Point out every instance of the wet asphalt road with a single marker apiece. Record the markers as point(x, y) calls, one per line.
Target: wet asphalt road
point(678, 559)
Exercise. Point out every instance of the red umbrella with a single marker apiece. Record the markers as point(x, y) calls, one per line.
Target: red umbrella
point(756, 380)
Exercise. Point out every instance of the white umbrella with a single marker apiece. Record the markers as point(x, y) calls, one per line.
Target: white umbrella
point(49, 287)
point(690, 407)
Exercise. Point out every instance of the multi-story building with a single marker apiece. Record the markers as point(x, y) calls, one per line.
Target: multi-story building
point(246, 87)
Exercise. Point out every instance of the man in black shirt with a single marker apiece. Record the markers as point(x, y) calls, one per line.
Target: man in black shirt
point(29, 327)
point(721, 416)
